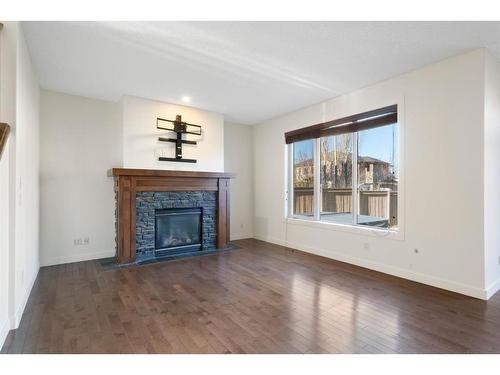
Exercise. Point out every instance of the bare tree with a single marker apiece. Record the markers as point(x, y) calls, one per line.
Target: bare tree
point(325, 160)
point(345, 151)
point(304, 175)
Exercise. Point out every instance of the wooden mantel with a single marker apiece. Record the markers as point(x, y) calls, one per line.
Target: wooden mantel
point(130, 181)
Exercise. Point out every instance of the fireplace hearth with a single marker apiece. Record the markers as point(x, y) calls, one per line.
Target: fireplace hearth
point(177, 231)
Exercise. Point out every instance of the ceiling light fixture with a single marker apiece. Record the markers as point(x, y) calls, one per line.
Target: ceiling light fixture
point(186, 99)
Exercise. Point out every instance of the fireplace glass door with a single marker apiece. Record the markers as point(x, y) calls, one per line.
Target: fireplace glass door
point(177, 230)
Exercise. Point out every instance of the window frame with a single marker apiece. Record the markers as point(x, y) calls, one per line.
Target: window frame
point(315, 220)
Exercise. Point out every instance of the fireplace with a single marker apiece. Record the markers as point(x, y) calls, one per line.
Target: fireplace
point(178, 231)
point(141, 194)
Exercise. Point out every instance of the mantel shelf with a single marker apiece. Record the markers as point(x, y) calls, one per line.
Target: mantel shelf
point(115, 172)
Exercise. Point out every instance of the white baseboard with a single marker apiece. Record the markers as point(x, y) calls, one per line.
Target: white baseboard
point(240, 237)
point(391, 270)
point(492, 289)
point(4, 331)
point(20, 310)
point(274, 240)
point(77, 258)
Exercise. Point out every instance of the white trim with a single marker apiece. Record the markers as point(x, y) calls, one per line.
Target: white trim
point(387, 269)
point(289, 181)
point(77, 258)
point(402, 181)
point(270, 239)
point(20, 310)
point(354, 178)
point(4, 331)
point(235, 237)
point(492, 289)
point(348, 228)
point(317, 179)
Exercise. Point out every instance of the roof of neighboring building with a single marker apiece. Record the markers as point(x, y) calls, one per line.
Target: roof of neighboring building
point(304, 163)
point(369, 159)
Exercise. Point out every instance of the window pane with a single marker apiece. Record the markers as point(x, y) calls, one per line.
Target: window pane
point(378, 176)
point(336, 178)
point(303, 177)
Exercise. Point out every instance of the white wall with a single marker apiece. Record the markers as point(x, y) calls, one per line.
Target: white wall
point(27, 178)
point(492, 173)
point(4, 245)
point(442, 175)
point(81, 139)
point(8, 37)
point(141, 148)
point(19, 186)
point(238, 158)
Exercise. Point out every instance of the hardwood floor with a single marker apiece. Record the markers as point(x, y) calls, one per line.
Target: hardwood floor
point(262, 298)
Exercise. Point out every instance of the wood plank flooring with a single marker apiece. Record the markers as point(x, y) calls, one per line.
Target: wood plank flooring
point(262, 298)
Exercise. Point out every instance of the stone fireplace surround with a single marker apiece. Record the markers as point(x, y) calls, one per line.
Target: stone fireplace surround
point(148, 202)
point(140, 191)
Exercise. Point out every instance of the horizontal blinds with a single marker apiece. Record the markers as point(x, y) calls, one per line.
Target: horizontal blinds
point(362, 121)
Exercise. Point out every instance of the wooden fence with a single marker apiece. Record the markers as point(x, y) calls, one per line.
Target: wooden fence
point(372, 203)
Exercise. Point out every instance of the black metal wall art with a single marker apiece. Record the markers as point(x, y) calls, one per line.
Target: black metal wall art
point(179, 127)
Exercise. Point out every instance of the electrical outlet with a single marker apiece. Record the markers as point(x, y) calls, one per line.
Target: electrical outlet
point(86, 240)
point(242, 225)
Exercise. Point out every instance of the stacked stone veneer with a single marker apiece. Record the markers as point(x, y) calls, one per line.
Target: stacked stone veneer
point(148, 202)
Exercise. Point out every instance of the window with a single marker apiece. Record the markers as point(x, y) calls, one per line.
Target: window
point(346, 171)
point(378, 177)
point(336, 178)
point(303, 177)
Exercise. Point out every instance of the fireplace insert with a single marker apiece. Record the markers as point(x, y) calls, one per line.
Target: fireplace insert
point(177, 231)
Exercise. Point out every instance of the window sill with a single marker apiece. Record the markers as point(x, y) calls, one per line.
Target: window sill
point(346, 228)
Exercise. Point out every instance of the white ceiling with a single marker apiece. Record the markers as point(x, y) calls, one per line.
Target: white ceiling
point(249, 71)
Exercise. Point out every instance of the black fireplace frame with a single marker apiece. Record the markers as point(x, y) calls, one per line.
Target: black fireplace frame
point(182, 249)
